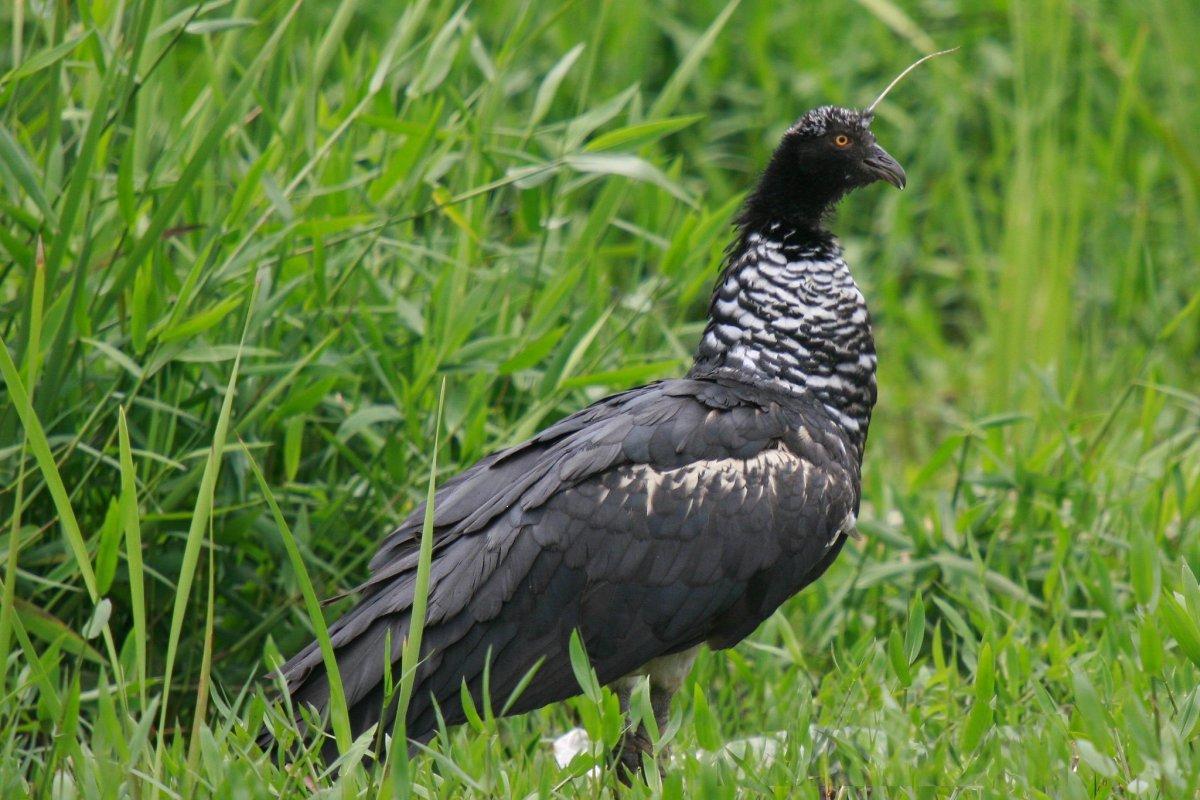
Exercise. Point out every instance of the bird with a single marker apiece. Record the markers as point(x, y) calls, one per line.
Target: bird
point(659, 520)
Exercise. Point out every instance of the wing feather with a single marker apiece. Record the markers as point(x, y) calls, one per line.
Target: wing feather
point(656, 519)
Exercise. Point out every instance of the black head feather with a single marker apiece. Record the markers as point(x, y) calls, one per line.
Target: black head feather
point(827, 153)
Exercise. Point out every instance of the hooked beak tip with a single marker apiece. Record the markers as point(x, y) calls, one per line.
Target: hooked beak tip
point(883, 167)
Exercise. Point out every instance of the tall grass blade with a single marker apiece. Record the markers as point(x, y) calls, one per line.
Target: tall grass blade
point(672, 91)
point(40, 447)
point(165, 212)
point(339, 715)
point(400, 782)
point(201, 517)
point(131, 526)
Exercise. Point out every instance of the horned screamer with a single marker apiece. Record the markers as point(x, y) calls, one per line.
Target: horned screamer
point(659, 520)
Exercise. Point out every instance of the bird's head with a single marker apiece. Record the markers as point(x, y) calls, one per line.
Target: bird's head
point(835, 150)
point(827, 153)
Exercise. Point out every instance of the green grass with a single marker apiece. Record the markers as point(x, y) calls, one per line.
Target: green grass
point(243, 246)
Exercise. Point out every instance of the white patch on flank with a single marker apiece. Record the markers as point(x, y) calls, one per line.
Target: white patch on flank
point(666, 672)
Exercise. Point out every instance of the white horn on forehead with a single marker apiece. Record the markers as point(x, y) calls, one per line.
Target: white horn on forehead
point(871, 108)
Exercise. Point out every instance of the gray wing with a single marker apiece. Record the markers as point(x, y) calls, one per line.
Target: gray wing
point(682, 512)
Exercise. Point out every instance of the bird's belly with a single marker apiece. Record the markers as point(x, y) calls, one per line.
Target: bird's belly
point(664, 672)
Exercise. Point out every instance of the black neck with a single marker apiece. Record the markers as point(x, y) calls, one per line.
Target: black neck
point(790, 195)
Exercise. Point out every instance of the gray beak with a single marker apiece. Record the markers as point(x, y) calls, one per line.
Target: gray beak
point(880, 164)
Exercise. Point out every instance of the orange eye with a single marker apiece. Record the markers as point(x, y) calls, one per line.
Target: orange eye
point(841, 140)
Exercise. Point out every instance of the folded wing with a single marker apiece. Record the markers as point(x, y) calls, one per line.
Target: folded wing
point(674, 514)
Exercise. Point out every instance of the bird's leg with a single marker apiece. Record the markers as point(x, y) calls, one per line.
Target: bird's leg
point(634, 743)
point(660, 703)
point(627, 755)
point(666, 675)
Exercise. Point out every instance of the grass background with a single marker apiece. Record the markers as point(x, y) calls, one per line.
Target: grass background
point(260, 235)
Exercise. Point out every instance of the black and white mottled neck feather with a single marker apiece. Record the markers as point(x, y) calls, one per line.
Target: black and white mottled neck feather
point(786, 311)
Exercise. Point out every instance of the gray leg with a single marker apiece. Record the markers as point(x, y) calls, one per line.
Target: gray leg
point(635, 743)
point(666, 676)
point(660, 703)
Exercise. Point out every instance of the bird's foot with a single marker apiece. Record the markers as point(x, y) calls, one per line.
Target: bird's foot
point(627, 755)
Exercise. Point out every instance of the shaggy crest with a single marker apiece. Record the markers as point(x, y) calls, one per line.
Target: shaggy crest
point(821, 120)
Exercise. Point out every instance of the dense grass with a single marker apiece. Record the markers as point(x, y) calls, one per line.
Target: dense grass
point(255, 235)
